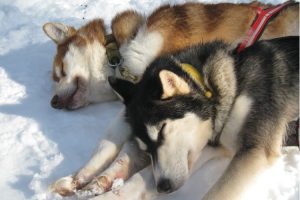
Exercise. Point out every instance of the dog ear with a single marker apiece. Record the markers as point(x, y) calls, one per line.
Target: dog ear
point(172, 84)
point(123, 88)
point(58, 32)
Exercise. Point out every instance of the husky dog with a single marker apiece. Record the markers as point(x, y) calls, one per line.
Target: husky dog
point(208, 95)
point(80, 70)
point(80, 67)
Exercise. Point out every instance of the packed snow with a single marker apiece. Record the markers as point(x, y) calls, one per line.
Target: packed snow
point(40, 144)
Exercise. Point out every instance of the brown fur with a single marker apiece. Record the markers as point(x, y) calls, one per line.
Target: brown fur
point(70, 32)
point(125, 25)
point(184, 25)
point(193, 23)
point(93, 30)
point(287, 19)
point(62, 49)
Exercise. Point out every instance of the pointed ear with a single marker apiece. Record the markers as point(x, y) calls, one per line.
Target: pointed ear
point(58, 32)
point(123, 88)
point(172, 84)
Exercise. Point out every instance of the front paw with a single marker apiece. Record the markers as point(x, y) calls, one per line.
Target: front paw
point(68, 185)
point(98, 185)
point(65, 186)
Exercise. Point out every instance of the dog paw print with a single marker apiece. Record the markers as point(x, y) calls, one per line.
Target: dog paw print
point(84, 9)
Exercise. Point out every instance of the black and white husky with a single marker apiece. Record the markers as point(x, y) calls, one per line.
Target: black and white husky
point(209, 96)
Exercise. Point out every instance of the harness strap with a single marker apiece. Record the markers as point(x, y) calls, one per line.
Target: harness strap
point(262, 18)
point(196, 76)
point(112, 51)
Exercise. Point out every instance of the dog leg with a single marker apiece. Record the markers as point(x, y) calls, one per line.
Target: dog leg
point(129, 161)
point(242, 170)
point(107, 150)
point(140, 186)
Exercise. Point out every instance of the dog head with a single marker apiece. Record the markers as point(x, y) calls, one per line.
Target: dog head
point(79, 66)
point(171, 120)
point(172, 110)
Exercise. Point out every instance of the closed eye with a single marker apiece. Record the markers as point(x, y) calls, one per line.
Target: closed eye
point(55, 77)
point(63, 73)
point(161, 137)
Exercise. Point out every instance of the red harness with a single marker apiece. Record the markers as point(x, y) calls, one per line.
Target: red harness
point(262, 18)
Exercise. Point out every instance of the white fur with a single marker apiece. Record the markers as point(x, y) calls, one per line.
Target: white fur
point(144, 180)
point(140, 186)
point(57, 71)
point(235, 122)
point(152, 132)
point(130, 159)
point(141, 51)
point(184, 138)
point(90, 64)
point(105, 153)
point(118, 132)
point(56, 31)
point(75, 64)
point(141, 144)
point(100, 89)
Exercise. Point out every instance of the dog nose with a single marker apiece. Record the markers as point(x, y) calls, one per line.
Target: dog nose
point(164, 186)
point(55, 102)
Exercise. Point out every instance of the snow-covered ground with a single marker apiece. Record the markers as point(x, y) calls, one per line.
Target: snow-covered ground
point(39, 144)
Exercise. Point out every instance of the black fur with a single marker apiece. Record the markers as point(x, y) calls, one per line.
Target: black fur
point(267, 71)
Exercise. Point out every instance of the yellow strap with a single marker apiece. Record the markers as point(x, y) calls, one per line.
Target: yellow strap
point(193, 72)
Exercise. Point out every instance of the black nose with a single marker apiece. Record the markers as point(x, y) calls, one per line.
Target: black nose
point(55, 103)
point(164, 186)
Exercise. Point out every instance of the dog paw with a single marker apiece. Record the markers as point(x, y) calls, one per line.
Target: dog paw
point(98, 186)
point(140, 186)
point(65, 186)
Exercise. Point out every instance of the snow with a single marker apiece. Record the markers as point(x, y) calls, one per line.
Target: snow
point(40, 144)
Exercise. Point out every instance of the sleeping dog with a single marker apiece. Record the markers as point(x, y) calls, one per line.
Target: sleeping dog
point(237, 104)
point(80, 66)
point(80, 69)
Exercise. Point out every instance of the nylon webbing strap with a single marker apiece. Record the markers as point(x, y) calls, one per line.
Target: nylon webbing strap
point(262, 18)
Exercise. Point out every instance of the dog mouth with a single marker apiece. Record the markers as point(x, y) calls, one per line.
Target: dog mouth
point(74, 101)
